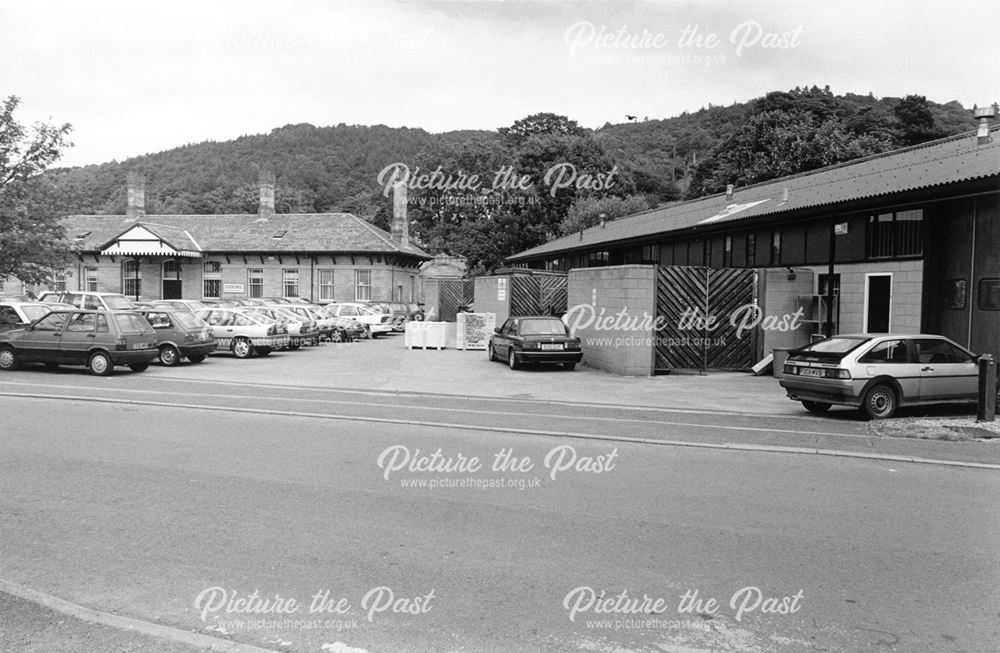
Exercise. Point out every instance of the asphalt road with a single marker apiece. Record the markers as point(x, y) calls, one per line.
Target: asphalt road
point(144, 504)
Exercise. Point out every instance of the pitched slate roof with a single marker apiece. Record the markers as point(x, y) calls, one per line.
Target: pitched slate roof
point(300, 232)
point(945, 161)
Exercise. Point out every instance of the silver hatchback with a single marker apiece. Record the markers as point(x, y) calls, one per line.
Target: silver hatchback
point(880, 373)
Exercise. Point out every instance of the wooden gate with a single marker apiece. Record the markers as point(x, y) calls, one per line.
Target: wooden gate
point(695, 306)
point(453, 293)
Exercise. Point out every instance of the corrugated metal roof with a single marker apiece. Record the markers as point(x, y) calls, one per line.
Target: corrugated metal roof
point(946, 161)
point(304, 232)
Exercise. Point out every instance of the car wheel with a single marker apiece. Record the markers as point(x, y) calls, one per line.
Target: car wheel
point(570, 366)
point(880, 402)
point(263, 351)
point(294, 347)
point(242, 348)
point(196, 359)
point(816, 406)
point(491, 352)
point(512, 360)
point(100, 364)
point(9, 360)
point(139, 367)
point(169, 355)
point(368, 332)
point(336, 336)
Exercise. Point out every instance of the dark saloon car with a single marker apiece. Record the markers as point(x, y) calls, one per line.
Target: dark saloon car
point(179, 334)
point(98, 339)
point(879, 373)
point(534, 339)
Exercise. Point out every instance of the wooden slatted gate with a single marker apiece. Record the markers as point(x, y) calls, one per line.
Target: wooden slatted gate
point(453, 293)
point(685, 297)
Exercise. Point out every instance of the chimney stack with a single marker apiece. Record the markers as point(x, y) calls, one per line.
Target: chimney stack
point(266, 182)
point(135, 206)
point(729, 193)
point(400, 229)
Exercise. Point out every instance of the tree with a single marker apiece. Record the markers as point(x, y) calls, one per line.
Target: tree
point(916, 121)
point(589, 211)
point(32, 240)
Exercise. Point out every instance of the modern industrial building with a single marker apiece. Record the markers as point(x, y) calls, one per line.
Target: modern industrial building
point(907, 241)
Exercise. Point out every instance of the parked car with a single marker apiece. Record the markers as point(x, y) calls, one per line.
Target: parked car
point(374, 323)
point(880, 373)
point(243, 332)
point(324, 322)
point(189, 305)
point(302, 330)
point(98, 339)
point(346, 329)
point(110, 301)
point(534, 339)
point(179, 334)
point(18, 314)
point(215, 302)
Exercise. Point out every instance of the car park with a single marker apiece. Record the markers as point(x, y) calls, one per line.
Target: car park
point(179, 334)
point(534, 339)
point(878, 373)
point(373, 323)
point(18, 314)
point(110, 301)
point(98, 339)
point(244, 333)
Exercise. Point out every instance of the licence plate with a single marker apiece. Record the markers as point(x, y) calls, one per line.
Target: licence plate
point(140, 345)
point(557, 347)
point(808, 371)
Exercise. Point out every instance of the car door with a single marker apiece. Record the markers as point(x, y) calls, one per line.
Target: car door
point(893, 358)
point(946, 371)
point(41, 341)
point(502, 341)
point(77, 338)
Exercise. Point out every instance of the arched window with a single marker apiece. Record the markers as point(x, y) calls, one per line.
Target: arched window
point(131, 278)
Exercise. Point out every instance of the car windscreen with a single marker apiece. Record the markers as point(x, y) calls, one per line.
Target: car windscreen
point(35, 312)
point(131, 323)
point(189, 320)
point(117, 303)
point(542, 328)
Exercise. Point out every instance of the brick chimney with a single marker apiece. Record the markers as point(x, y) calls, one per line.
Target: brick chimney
point(135, 206)
point(400, 228)
point(266, 182)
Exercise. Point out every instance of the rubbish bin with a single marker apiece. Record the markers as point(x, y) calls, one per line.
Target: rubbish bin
point(778, 356)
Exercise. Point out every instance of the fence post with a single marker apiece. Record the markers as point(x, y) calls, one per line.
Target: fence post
point(986, 408)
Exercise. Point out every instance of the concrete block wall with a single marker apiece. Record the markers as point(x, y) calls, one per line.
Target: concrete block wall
point(607, 291)
point(486, 298)
point(907, 294)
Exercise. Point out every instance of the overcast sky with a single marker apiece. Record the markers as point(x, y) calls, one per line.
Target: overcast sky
point(137, 77)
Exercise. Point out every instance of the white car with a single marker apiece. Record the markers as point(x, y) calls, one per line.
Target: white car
point(244, 333)
point(374, 323)
point(15, 314)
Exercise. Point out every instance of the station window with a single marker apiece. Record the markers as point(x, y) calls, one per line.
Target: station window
point(90, 279)
point(363, 285)
point(325, 285)
point(255, 281)
point(212, 280)
point(131, 278)
point(290, 283)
